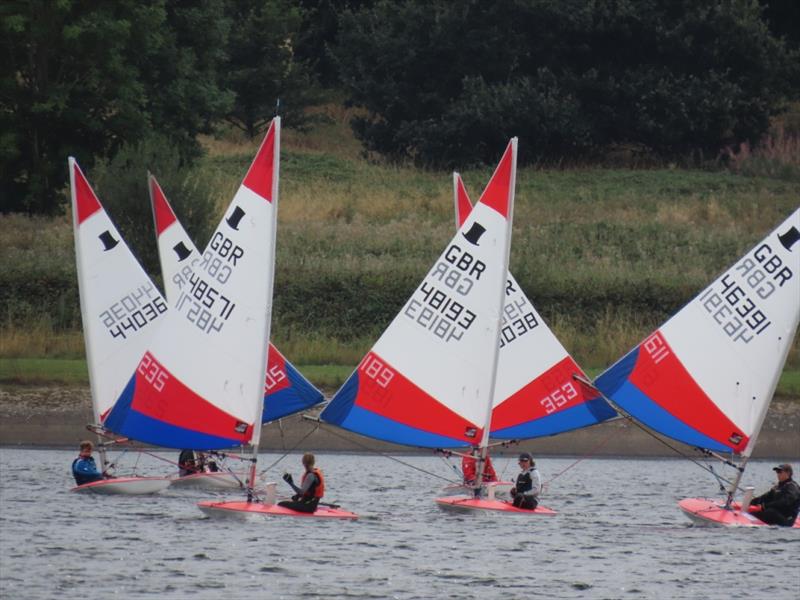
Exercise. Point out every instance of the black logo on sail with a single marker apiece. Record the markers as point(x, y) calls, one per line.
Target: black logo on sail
point(470, 432)
point(789, 238)
point(108, 240)
point(236, 216)
point(474, 234)
point(182, 251)
point(240, 427)
point(736, 438)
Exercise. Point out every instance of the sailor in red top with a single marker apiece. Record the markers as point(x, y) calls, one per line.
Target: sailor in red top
point(469, 466)
point(311, 489)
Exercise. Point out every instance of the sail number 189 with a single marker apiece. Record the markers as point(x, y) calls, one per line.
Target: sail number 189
point(375, 369)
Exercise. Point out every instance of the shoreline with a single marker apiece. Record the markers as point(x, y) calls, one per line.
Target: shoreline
point(55, 416)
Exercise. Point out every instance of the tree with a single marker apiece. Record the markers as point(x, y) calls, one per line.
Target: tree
point(445, 83)
point(261, 68)
point(121, 185)
point(82, 78)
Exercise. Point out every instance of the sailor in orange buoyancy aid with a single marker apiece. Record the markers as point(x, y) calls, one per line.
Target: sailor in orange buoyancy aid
point(311, 489)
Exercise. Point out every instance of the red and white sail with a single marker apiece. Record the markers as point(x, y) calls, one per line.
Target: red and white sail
point(121, 307)
point(200, 382)
point(429, 379)
point(286, 390)
point(707, 376)
point(537, 393)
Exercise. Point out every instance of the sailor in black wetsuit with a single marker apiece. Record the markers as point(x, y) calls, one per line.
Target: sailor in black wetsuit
point(528, 485)
point(780, 505)
point(311, 488)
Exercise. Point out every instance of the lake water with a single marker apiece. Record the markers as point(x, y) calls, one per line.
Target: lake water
point(618, 534)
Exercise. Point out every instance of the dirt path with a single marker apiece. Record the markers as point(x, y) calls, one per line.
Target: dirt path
point(56, 416)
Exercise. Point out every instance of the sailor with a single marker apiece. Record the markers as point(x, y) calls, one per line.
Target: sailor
point(311, 489)
point(186, 463)
point(84, 468)
point(469, 465)
point(780, 505)
point(528, 485)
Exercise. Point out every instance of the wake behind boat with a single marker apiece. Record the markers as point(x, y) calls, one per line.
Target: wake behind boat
point(707, 376)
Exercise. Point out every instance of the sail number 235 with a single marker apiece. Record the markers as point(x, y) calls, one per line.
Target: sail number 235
point(152, 372)
point(373, 368)
point(559, 397)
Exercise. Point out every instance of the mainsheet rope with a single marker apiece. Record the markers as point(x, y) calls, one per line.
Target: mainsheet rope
point(368, 449)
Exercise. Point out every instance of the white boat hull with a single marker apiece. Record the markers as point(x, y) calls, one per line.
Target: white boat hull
point(209, 481)
point(125, 486)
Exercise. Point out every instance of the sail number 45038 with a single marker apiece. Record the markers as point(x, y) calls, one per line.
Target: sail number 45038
point(375, 369)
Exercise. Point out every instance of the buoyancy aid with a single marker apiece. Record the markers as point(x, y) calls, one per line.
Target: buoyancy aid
point(317, 490)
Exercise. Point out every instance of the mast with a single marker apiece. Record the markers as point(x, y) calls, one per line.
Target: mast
point(498, 318)
point(762, 414)
point(93, 384)
point(256, 438)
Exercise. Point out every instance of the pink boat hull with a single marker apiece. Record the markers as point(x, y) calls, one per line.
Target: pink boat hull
point(243, 509)
point(712, 513)
point(471, 504)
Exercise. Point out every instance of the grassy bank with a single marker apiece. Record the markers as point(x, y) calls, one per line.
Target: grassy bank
point(606, 255)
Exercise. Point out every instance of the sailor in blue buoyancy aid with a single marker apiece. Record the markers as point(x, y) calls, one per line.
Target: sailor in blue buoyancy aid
point(528, 485)
point(84, 468)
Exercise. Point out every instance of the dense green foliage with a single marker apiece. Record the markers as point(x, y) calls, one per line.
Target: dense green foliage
point(122, 185)
point(446, 83)
point(84, 78)
point(260, 66)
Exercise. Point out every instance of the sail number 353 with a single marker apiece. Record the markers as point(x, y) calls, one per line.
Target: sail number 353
point(558, 398)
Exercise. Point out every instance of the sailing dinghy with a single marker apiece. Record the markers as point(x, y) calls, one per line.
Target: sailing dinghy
point(538, 389)
point(707, 376)
point(429, 380)
point(286, 391)
point(200, 380)
point(120, 307)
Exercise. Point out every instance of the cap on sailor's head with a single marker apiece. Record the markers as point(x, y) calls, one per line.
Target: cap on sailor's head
point(526, 456)
point(785, 467)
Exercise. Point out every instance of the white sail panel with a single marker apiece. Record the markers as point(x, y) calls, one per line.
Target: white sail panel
point(428, 381)
point(120, 306)
point(201, 382)
point(706, 377)
point(536, 392)
point(287, 391)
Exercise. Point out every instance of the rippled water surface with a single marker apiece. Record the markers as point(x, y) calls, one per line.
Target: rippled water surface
point(618, 534)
